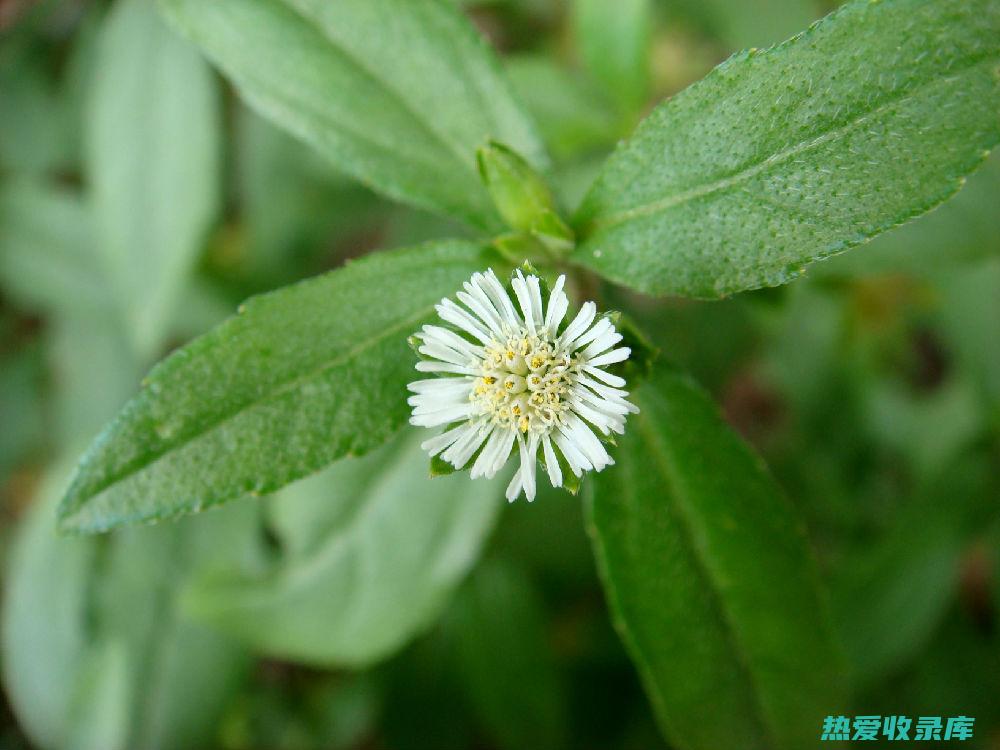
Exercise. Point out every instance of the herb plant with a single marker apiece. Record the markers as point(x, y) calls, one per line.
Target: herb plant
point(305, 413)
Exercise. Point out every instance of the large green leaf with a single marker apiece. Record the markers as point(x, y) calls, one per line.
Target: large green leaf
point(399, 94)
point(710, 580)
point(301, 377)
point(373, 547)
point(963, 231)
point(779, 158)
point(152, 157)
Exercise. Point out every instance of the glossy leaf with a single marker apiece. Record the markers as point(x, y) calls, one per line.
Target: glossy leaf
point(301, 377)
point(710, 580)
point(407, 125)
point(152, 156)
point(784, 157)
point(372, 548)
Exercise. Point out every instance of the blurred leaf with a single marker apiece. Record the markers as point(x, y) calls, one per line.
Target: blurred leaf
point(710, 580)
point(930, 430)
point(301, 377)
point(754, 23)
point(181, 674)
point(48, 261)
point(293, 204)
point(970, 310)
point(374, 547)
point(498, 625)
point(299, 710)
point(44, 632)
point(21, 405)
point(958, 674)
point(614, 41)
point(34, 132)
point(96, 653)
point(783, 157)
point(98, 718)
point(408, 124)
point(425, 704)
point(92, 370)
point(573, 115)
point(891, 595)
point(152, 156)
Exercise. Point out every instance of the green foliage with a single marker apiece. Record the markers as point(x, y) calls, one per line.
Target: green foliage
point(690, 535)
point(614, 39)
point(509, 673)
point(379, 519)
point(783, 157)
point(142, 198)
point(300, 377)
point(889, 598)
point(406, 125)
point(153, 163)
point(97, 653)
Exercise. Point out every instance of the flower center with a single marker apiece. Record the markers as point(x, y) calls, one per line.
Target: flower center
point(524, 382)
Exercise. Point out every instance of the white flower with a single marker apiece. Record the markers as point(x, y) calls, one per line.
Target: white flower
point(512, 376)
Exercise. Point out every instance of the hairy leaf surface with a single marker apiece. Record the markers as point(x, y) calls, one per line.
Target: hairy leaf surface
point(783, 157)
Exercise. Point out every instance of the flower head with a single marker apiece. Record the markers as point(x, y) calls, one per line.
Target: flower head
point(515, 375)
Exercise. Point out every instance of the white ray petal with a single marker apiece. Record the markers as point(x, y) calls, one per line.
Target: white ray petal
point(580, 323)
point(551, 462)
point(615, 355)
point(558, 303)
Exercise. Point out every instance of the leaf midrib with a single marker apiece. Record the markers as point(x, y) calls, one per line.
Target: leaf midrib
point(754, 168)
point(278, 390)
point(662, 456)
point(466, 160)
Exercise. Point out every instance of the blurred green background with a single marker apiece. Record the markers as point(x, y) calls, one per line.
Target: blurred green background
point(871, 387)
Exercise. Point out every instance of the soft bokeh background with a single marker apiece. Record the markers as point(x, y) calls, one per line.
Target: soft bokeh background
point(871, 387)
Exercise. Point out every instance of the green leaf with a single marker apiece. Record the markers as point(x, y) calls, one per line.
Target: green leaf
point(44, 632)
point(759, 23)
point(48, 260)
point(964, 230)
point(710, 580)
point(779, 158)
point(520, 194)
point(572, 113)
point(372, 549)
point(614, 41)
point(498, 626)
point(293, 205)
point(303, 376)
point(152, 155)
point(335, 75)
point(34, 131)
point(96, 653)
